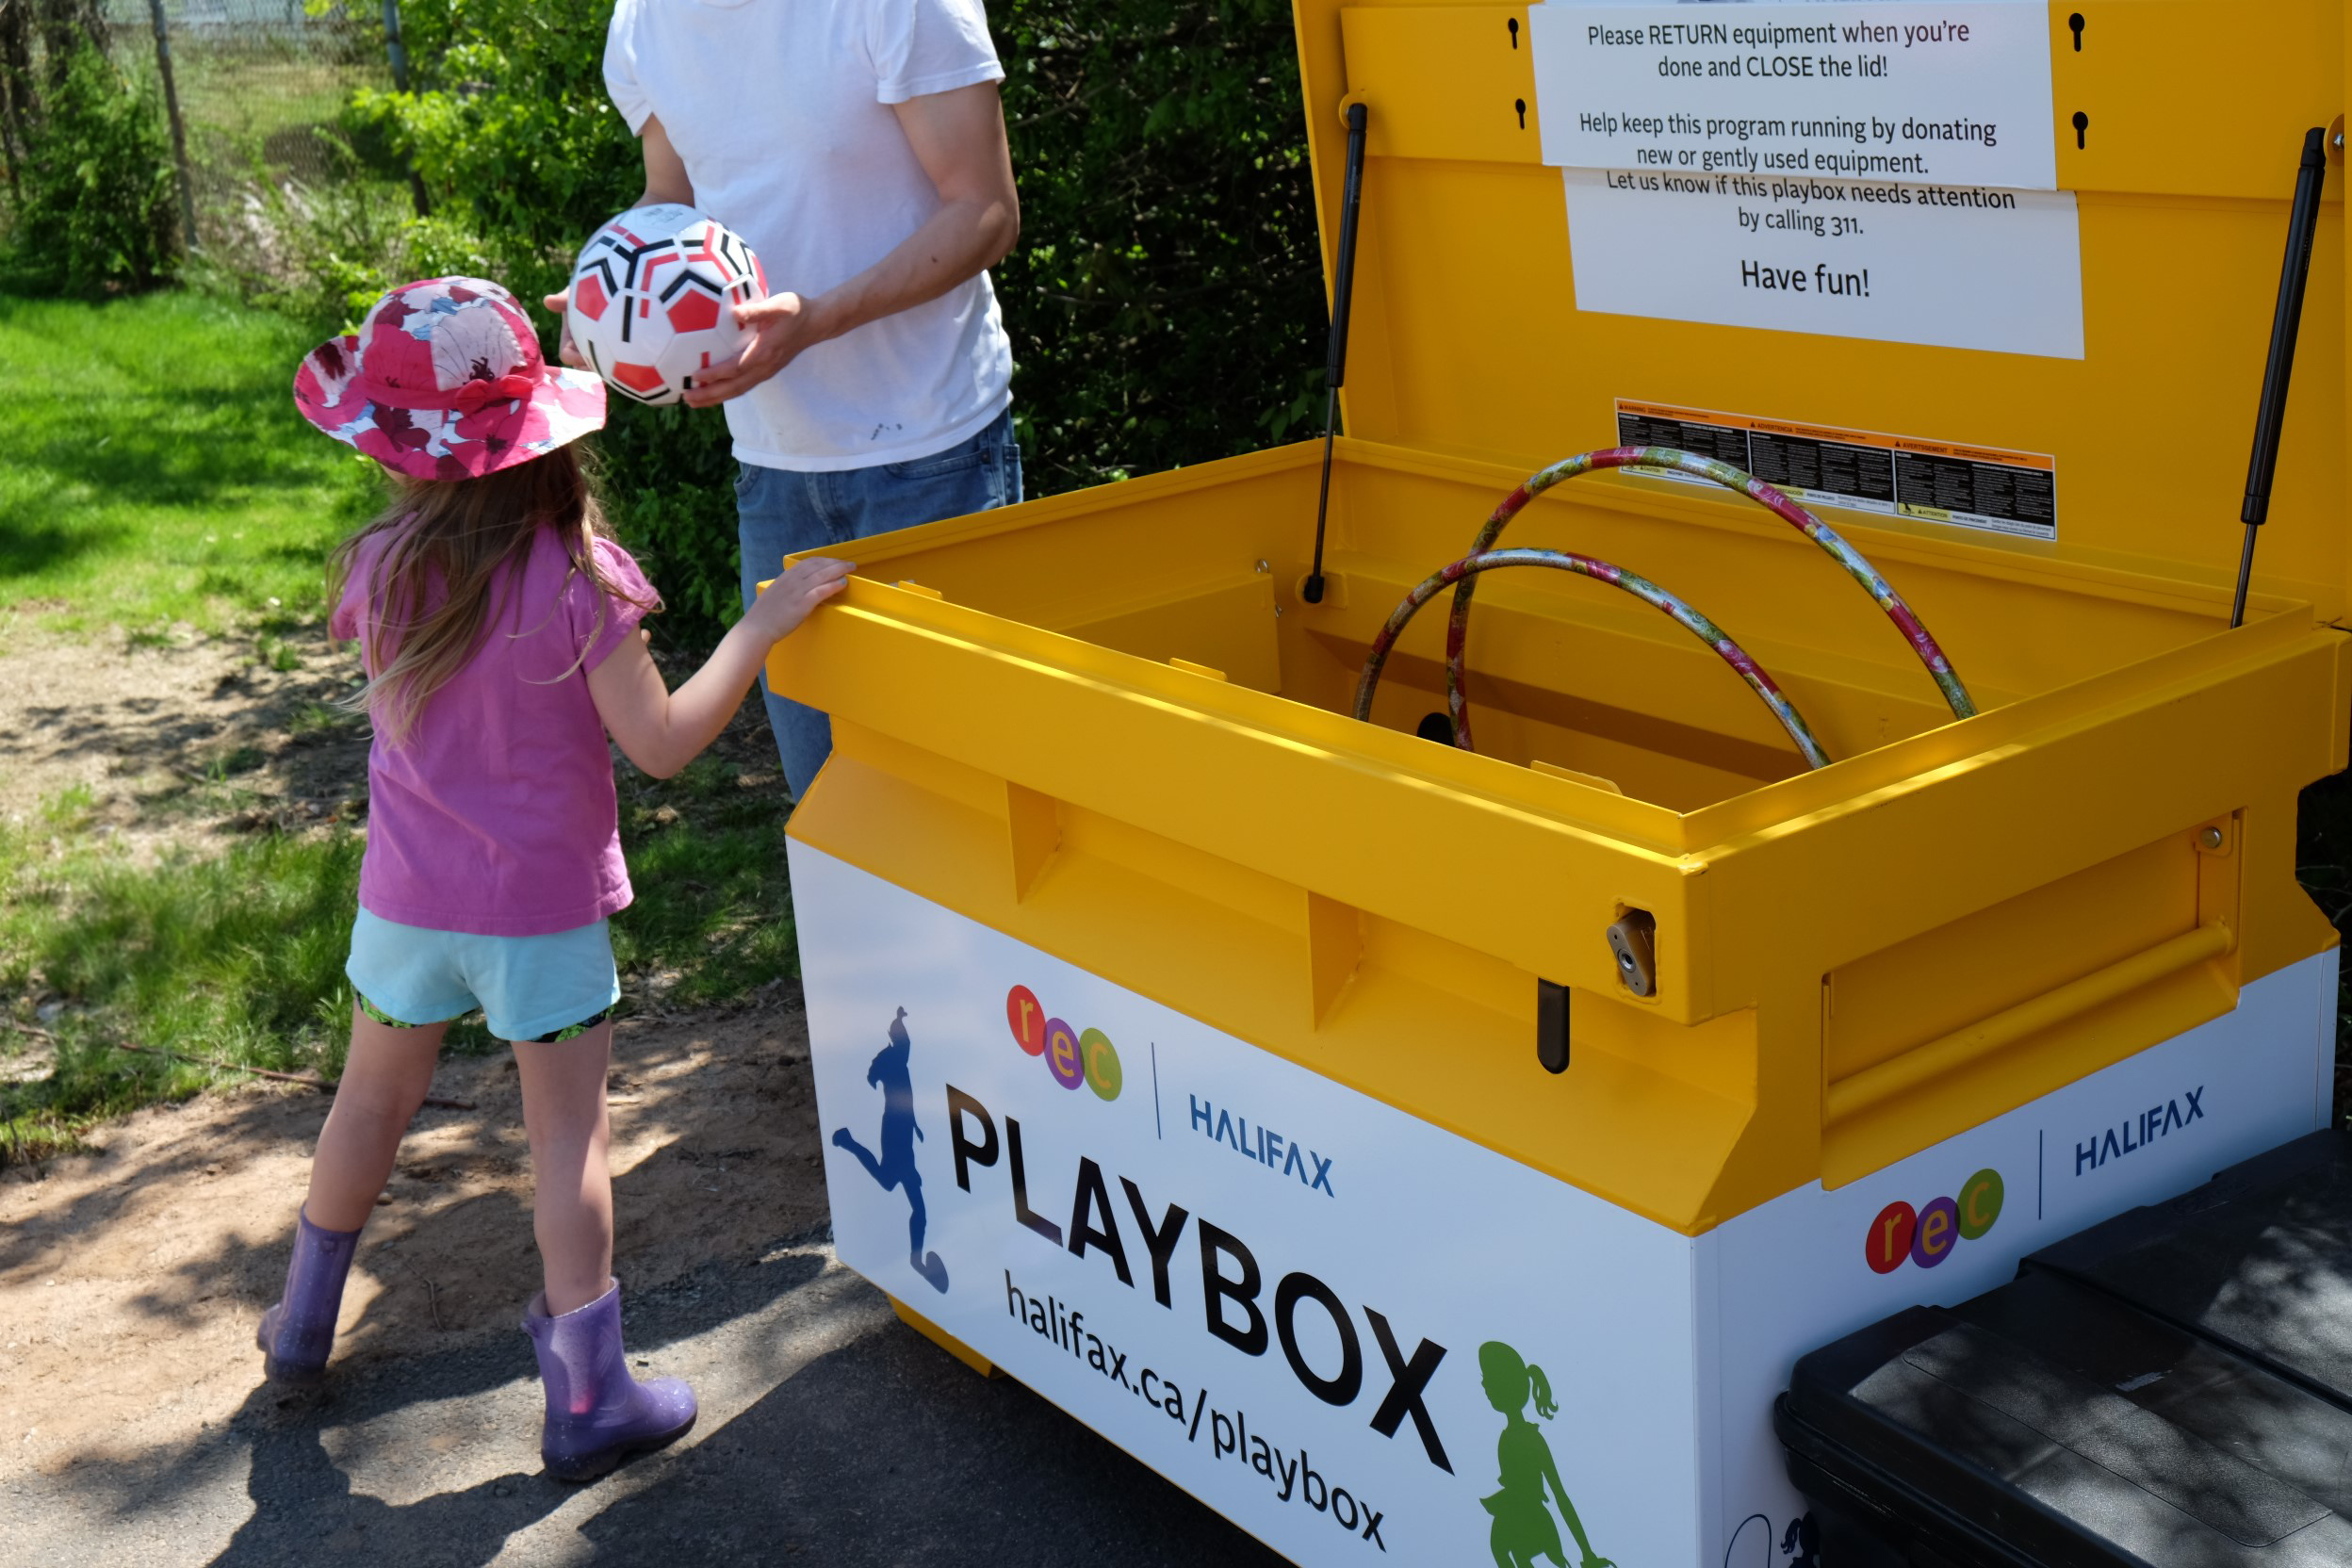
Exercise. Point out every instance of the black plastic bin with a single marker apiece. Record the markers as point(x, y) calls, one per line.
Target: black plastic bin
point(2172, 1388)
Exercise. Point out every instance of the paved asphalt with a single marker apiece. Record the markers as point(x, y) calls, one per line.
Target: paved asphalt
point(830, 1433)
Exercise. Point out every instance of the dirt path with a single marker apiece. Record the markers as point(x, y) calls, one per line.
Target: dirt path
point(183, 741)
point(171, 1237)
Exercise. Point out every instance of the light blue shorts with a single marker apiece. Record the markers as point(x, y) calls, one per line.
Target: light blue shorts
point(528, 987)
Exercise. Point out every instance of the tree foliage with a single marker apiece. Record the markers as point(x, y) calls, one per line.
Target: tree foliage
point(88, 206)
point(38, 39)
point(1166, 303)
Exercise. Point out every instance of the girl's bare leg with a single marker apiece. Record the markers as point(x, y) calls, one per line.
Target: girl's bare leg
point(572, 1206)
point(384, 1081)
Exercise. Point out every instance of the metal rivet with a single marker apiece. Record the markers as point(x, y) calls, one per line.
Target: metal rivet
point(1262, 567)
point(2209, 836)
point(1278, 611)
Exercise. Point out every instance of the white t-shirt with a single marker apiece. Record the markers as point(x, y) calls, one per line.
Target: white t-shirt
point(781, 109)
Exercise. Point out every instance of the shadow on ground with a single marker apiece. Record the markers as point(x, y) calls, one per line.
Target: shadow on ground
point(886, 1451)
point(413, 1415)
point(840, 1437)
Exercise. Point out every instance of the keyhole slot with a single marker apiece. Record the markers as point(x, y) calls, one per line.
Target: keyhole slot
point(1521, 104)
point(1514, 34)
point(2081, 129)
point(2076, 23)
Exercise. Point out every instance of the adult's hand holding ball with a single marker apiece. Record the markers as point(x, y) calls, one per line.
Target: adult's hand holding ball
point(655, 301)
point(566, 350)
point(779, 327)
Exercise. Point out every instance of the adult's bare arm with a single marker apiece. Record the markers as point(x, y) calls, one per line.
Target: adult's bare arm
point(666, 180)
point(958, 137)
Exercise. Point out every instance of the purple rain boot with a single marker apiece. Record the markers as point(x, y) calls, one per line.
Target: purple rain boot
point(296, 1334)
point(597, 1414)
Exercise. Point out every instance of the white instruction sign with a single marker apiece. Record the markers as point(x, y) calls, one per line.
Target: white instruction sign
point(1892, 89)
point(1952, 267)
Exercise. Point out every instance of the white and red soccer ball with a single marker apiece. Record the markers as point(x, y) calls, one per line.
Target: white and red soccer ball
point(652, 298)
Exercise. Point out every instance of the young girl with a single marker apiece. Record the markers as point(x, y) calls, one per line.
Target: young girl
point(1524, 1534)
point(498, 627)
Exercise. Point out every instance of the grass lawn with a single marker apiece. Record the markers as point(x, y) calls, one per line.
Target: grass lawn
point(153, 469)
point(240, 98)
point(164, 480)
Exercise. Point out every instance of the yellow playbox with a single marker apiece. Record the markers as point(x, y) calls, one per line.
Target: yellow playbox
point(1206, 1018)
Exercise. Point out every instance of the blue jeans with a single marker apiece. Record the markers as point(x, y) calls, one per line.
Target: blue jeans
point(782, 511)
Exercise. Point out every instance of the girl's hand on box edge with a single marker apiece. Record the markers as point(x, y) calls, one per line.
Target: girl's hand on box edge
point(789, 599)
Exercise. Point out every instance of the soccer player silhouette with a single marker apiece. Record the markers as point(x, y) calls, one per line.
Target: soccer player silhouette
point(896, 1167)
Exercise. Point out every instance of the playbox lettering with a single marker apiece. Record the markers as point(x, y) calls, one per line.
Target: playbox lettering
point(1293, 1477)
point(1235, 1308)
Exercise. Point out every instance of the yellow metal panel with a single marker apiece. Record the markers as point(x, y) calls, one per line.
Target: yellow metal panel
point(1898, 998)
point(1972, 1091)
point(1445, 81)
point(1922, 1069)
point(1334, 951)
point(2190, 97)
point(1033, 828)
point(1299, 812)
point(1592, 778)
point(1229, 628)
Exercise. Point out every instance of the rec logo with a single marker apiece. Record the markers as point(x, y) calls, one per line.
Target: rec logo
point(1927, 1234)
point(1072, 1057)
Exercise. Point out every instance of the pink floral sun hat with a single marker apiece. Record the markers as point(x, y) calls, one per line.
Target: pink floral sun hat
point(443, 380)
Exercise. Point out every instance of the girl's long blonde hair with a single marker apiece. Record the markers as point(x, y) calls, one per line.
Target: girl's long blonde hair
point(446, 548)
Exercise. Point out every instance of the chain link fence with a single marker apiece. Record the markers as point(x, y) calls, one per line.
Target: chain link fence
point(260, 87)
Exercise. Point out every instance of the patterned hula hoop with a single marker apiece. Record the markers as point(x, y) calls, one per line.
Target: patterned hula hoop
point(1649, 592)
point(1882, 593)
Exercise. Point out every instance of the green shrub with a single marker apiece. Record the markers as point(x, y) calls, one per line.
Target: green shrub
point(1166, 303)
point(95, 209)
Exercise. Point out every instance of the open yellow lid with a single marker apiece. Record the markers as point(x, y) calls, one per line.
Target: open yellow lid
point(2116, 444)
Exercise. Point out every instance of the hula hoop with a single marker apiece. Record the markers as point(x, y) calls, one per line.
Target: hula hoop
point(1883, 594)
point(1649, 592)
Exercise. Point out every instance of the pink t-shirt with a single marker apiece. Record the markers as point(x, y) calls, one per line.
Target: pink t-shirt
point(497, 815)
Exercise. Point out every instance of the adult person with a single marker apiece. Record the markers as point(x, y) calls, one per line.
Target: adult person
point(860, 146)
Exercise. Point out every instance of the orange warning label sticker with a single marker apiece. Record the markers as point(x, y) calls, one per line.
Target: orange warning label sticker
point(1860, 471)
